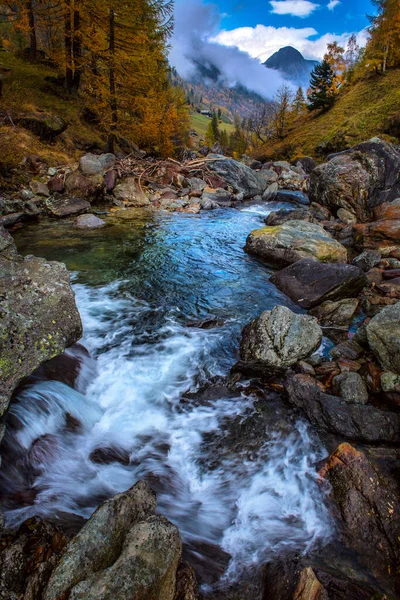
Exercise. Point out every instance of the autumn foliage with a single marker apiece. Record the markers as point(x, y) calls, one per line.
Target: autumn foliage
point(112, 54)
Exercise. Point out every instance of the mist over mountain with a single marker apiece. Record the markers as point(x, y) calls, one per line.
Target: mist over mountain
point(292, 65)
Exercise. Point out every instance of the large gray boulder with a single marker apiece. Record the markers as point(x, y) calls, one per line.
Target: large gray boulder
point(39, 317)
point(293, 240)
point(125, 551)
point(358, 179)
point(311, 283)
point(383, 333)
point(65, 206)
point(88, 222)
point(240, 177)
point(279, 338)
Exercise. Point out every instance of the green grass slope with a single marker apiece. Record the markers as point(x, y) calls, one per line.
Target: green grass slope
point(362, 111)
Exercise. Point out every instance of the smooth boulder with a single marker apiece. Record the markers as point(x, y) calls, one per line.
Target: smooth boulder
point(310, 283)
point(124, 551)
point(279, 338)
point(88, 222)
point(65, 206)
point(293, 240)
point(383, 333)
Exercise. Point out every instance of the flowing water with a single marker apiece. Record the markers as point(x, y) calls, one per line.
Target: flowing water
point(163, 299)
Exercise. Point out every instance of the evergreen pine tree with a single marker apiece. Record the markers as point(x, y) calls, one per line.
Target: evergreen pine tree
point(321, 94)
point(299, 102)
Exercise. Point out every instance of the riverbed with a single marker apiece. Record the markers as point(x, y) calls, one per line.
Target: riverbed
point(163, 299)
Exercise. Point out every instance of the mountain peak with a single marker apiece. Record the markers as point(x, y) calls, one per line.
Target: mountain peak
point(292, 64)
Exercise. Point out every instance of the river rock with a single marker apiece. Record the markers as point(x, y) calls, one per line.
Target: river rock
point(363, 423)
point(110, 180)
point(367, 260)
point(378, 234)
point(125, 551)
point(270, 193)
point(306, 163)
point(82, 186)
point(292, 241)
point(240, 177)
point(351, 388)
point(358, 179)
point(129, 192)
point(346, 216)
point(107, 161)
point(65, 206)
point(339, 313)
point(283, 216)
point(88, 222)
point(56, 184)
point(39, 188)
point(383, 333)
point(216, 196)
point(388, 211)
point(369, 509)
point(39, 315)
point(90, 164)
point(294, 196)
point(309, 282)
point(279, 338)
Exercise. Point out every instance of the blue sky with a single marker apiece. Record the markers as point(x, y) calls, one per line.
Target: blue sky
point(344, 16)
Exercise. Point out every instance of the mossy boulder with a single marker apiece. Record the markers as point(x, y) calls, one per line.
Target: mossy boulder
point(289, 242)
point(38, 315)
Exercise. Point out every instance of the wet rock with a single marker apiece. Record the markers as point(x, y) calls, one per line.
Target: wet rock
point(109, 455)
point(359, 179)
point(363, 423)
point(309, 587)
point(27, 559)
point(340, 313)
point(370, 511)
point(186, 583)
point(310, 282)
point(216, 196)
point(279, 338)
point(82, 186)
point(292, 196)
point(348, 349)
point(383, 333)
point(240, 177)
point(351, 388)
point(39, 189)
point(208, 204)
point(388, 211)
point(319, 212)
point(283, 216)
point(124, 551)
point(367, 260)
point(44, 125)
point(65, 206)
point(88, 222)
point(197, 185)
point(39, 315)
point(290, 242)
point(128, 191)
point(378, 234)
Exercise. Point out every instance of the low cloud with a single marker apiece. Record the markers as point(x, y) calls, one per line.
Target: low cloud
point(262, 41)
point(195, 41)
point(295, 8)
point(333, 3)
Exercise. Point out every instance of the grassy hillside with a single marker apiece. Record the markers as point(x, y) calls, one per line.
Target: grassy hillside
point(26, 92)
point(361, 112)
point(200, 124)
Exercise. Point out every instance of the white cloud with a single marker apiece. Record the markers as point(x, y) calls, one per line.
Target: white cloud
point(262, 41)
point(296, 8)
point(333, 3)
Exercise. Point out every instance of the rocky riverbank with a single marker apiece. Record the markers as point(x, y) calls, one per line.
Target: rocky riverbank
point(339, 260)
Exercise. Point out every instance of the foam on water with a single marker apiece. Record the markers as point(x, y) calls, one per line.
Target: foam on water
point(137, 397)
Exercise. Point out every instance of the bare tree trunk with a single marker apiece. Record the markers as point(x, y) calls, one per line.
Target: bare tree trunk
point(113, 99)
point(32, 31)
point(68, 46)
